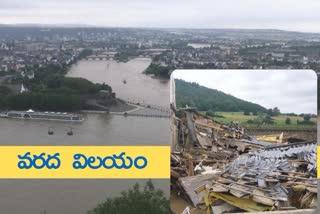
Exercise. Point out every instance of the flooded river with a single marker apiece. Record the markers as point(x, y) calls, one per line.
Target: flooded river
point(96, 129)
point(78, 196)
point(138, 87)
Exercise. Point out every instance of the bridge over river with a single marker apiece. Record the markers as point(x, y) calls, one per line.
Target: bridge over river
point(138, 109)
point(145, 110)
point(99, 57)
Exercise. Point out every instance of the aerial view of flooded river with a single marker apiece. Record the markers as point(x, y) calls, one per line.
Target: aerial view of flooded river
point(138, 87)
point(79, 196)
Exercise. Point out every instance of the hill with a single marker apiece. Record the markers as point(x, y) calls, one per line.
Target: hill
point(206, 99)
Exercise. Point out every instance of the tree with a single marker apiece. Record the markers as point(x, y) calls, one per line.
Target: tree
point(273, 112)
point(276, 111)
point(159, 70)
point(268, 120)
point(306, 118)
point(135, 201)
point(210, 113)
point(288, 121)
point(246, 113)
point(270, 112)
point(84, 53)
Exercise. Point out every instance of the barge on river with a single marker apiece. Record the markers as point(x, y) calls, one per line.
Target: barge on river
point(33, 115)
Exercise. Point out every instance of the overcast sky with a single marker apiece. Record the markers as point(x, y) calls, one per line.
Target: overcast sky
point(291, 91)
point(298, 15)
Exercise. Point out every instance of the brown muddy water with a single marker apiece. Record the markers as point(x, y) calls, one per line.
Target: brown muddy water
point(79, 196)
point(138, 88)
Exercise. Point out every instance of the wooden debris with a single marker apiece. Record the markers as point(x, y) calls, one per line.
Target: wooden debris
point(256, 184)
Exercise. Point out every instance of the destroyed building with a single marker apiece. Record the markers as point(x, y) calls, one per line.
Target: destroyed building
point(216, 165)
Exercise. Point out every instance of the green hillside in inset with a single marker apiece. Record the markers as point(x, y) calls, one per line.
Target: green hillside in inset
point(207, 99)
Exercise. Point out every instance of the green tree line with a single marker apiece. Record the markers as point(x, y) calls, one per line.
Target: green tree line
point(50, 90)
point(159, 70)
point(206, 99)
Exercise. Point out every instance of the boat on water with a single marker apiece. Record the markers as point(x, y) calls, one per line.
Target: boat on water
point(50, 131)
point(70, 132)
point(3, 115)
point(33, 115)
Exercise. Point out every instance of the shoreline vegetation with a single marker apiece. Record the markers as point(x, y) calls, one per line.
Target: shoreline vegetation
point(159, 71)
point(143, 200)
point(125, 53)
point(51, 90)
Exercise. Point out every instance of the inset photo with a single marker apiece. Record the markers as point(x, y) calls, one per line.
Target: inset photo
point(243, 141)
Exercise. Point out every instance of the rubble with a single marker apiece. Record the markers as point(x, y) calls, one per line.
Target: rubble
point(217, 166)
point(267, 177)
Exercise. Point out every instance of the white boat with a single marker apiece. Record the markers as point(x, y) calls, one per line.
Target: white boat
point(33, 115)
point(3, 115)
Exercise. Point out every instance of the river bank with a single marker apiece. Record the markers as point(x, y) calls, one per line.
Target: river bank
point(116, 105)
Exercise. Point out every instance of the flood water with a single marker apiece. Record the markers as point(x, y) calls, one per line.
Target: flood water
point(138, 88)
point(79, 196)
point(96, 129)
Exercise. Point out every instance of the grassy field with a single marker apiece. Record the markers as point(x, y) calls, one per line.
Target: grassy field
point(279, 121)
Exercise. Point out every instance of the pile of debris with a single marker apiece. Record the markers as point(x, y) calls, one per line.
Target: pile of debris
point(214, 164)
point(205, 146)
point(281, 178)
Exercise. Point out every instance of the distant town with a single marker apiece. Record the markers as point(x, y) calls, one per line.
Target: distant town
point(169, 48)
point(26, 50)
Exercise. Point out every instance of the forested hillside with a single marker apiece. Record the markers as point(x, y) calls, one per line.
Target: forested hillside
point(206, 99)
point(50, 90)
